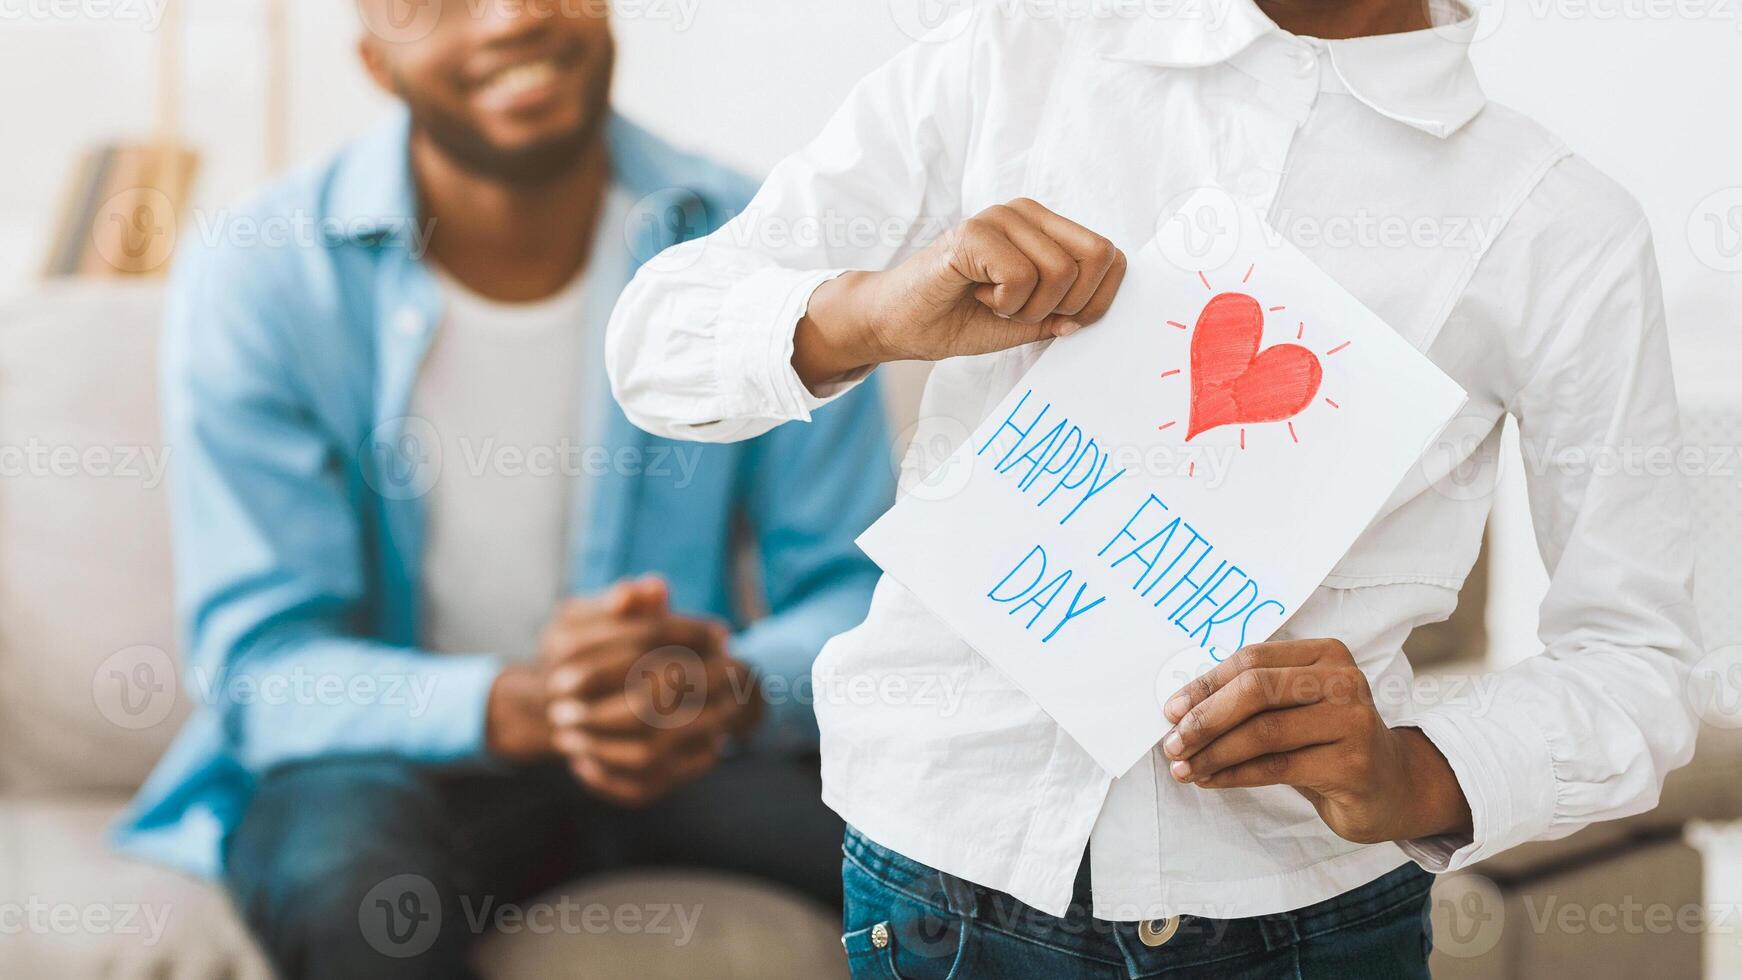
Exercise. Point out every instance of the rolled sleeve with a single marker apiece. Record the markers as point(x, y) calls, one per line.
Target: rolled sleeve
point(1506, 772)
point(700, 343)
point(763, 313)
point(1588, 729)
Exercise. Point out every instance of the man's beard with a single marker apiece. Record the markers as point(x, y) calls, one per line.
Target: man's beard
point(533, 165)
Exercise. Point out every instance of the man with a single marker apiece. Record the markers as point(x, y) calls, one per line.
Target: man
point(1291, 795)
point(459, 631)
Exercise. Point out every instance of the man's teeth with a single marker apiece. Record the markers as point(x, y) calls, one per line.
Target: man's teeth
point(512, 81)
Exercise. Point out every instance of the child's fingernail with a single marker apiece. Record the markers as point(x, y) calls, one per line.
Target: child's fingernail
point(1182, 771)
point(1175, 708)
point(1173, 744)
point(1067, 328)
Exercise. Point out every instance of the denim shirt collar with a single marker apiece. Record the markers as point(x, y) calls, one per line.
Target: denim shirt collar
point(373, 196)
point(373, 203)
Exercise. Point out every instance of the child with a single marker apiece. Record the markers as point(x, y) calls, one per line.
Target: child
point(1284, 823)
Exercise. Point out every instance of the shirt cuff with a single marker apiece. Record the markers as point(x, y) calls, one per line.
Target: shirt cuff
point(450, 728)
point(1506, 771)
point(760, 316)
point(783, 672)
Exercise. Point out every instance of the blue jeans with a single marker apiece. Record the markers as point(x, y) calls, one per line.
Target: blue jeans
point(906, 921)
point(373, 867)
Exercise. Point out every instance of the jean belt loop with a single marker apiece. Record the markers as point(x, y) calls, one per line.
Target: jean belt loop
point(1280, 931)
point(962, 896)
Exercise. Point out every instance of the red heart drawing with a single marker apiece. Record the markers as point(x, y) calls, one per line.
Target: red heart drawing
point(1232, 382)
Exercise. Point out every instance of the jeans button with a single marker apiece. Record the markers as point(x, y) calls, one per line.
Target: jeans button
point(1156, 932)
point(880, 935)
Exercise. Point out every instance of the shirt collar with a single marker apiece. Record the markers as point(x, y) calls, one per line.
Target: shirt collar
point(1420, 78)
point(372, 196)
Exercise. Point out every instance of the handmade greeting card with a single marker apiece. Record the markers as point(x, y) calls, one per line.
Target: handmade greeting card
point(1171, 484)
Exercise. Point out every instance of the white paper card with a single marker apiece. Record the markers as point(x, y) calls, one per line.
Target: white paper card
point(1171, 484)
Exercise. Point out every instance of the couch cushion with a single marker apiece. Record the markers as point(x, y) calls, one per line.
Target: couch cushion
point(71, 907)
point(88, 694)
point(1705, 789)
point(1635, 913)
point(729, 929)
point(81, 910)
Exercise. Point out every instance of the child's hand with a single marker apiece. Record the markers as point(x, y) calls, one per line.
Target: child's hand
point(1300, 713)
point(1013, 274)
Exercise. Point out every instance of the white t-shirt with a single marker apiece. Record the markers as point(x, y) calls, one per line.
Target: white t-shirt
point(501, 387)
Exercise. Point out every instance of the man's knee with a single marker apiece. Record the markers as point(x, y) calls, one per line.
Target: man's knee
point(338, 869)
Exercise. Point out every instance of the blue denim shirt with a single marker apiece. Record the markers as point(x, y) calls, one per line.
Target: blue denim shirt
point(288, 362)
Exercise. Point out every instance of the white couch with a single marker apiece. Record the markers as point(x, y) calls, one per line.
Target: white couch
point(88, 699)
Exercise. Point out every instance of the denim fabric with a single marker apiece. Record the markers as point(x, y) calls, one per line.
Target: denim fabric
point(938, 927)
point(298, 493)
point(373, 867)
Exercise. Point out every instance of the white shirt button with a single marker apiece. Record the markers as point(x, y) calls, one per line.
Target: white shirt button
point(1305, 63)
point(408, 321)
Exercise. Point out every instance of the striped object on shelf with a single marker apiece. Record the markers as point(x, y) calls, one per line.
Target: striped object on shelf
point(122, 212)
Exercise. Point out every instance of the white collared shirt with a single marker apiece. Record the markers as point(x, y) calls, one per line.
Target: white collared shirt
point(1521, 271)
